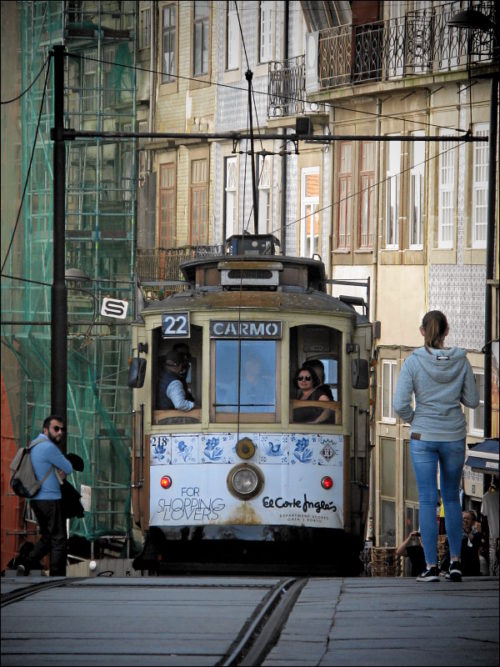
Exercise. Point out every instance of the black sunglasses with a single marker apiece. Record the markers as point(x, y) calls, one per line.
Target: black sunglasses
point(304, 378)
point(59, 428)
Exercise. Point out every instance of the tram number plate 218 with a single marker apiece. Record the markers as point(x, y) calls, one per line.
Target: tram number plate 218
point(175, 325)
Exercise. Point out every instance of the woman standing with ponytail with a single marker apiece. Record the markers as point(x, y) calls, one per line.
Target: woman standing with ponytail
point(441, 379)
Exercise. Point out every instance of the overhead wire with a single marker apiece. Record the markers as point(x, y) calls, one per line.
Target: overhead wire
point(374, 185)
point(289, 98)
point(18, 97)
point(29, 167)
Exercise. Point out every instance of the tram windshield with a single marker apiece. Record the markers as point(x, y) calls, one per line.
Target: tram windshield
point(245, 376)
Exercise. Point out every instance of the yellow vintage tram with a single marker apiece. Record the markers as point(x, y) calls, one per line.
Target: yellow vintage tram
point(251, 476)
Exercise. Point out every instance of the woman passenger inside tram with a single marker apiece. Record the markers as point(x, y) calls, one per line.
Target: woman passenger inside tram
point(310, 389)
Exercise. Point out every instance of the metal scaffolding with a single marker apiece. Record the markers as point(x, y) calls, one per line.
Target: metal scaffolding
point(100, 81)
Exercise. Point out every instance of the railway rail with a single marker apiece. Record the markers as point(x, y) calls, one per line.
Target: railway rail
point(253, 613)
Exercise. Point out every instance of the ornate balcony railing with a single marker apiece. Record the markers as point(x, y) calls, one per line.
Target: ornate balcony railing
point(421, 42)
point(286, 87)
point(163, 264)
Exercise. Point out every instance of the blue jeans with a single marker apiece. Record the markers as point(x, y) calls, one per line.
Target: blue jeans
point(425, 455)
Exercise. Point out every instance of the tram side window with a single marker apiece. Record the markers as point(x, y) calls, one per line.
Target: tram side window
point(176, 381)
point(245, 380)
point(315, 373)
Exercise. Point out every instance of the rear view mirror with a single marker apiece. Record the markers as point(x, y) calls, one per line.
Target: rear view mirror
point(359, 374)
point(137, 372)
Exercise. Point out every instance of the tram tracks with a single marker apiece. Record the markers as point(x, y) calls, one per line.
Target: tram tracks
point(253, 637)
point(264, 628)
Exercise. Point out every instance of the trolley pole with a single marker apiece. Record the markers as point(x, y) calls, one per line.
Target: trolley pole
point(59, 305)
point(249, 77)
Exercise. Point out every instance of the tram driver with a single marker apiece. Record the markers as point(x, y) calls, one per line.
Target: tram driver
point(172, 391)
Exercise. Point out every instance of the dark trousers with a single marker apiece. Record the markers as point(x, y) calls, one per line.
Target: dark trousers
point(53, 536)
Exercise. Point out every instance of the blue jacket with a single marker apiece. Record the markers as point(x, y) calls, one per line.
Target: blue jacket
point(440, 380)
point(44, 455)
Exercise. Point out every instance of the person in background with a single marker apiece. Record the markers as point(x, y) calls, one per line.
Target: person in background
point(171, 391)
point(412, 549)
point(441, 380)
point(471, 544)
point(46, 504)
point(490, 511)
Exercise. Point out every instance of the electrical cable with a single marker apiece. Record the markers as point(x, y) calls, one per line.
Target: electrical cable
point(29, 167)
point(374, 185)
point(261, 92)
point(18, 97)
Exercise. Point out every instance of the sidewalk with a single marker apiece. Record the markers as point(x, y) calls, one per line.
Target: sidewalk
point(391, 621)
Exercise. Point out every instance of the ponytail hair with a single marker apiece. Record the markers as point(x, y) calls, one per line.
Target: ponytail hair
point(434, 325)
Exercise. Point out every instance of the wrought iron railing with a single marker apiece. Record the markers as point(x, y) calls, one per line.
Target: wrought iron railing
point(286, 87)
point(163, 264)
point(421, 42)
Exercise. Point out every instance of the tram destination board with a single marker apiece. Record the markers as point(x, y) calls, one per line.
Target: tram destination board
point(258, 329)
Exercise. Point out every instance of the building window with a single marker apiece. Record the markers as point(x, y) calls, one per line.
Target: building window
point(167, 232)
point(266, 31)
point(168, 44)
point(446, 188)
point(392, 195)
point(476, 416)
point(232, 37)
point(367, 194)
point(480, 188)
point(264, 194)
point(389, 368)
point(199, 202)
point(231, 202)
point(144, 27)
point(89, 87)
point(201, 37)
point(345, 196)
point(309, 215)
point(417, 190)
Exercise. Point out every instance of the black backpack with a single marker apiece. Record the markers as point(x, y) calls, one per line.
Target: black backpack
point(23, 481)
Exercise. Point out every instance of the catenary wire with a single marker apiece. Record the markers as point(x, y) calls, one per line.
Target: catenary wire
point(261, 92)
point(29, 169)
point(18, 97)
point(374, 185)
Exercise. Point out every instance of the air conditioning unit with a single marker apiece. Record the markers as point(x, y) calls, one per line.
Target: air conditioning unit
point(312, 59)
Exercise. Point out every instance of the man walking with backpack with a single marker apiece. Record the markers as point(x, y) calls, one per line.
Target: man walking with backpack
point(46, 504)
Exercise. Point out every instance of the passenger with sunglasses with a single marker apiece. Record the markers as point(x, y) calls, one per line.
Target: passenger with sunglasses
point(46, 505)
point(310, 389)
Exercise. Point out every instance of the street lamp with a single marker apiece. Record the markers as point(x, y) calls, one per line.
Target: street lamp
point(471, 19)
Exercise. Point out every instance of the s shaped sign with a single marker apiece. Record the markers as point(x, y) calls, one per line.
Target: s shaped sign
point(114, 308)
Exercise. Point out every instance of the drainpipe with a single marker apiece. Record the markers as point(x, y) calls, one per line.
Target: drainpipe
point(490, 253)
point(371, 523)
point(284, 162)
point(151, 67)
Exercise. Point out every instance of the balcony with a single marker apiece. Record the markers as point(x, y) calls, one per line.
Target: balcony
point(287, 89)
point(419, 43)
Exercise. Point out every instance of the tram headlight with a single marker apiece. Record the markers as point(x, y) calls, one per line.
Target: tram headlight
point(245, 481)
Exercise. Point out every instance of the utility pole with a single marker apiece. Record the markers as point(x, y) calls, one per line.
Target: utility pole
point(59, 305)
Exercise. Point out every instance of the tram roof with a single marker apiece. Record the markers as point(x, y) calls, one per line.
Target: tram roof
point(300, 286)
point(285, 299)
point(314, 267)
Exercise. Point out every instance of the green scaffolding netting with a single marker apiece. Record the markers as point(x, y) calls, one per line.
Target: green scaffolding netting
point(100, 233)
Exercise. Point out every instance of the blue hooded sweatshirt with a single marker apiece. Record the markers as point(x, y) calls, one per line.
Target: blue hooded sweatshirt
point(441, 380)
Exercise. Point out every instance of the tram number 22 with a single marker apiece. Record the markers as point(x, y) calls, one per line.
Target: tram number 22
point(175, 325)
